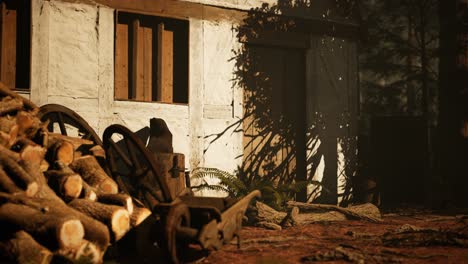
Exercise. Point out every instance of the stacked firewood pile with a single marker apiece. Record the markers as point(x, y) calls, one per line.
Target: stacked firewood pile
point(56, 200)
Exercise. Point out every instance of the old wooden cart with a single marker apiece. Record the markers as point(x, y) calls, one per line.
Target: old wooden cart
point(159, 182)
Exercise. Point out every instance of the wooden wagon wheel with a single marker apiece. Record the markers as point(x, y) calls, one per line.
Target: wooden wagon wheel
point(61, 115)
point(133, 166)
point(176, 219)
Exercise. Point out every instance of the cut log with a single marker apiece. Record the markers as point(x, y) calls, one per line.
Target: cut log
point(60, 150)
point(9, 138)
point(95, 231)
point(87, 252)
point(76, 141)
point(116, 218)
point(21, 178)
point(49, 229)
point(9, 104)
point(7, 184)
point(98, 151)
point(118, 199)
point(68, 186)
point(139, 215)
point(23, 249)
point(89, 168)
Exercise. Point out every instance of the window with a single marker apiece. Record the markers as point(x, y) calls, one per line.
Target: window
point(151, 58)
point(15, 43)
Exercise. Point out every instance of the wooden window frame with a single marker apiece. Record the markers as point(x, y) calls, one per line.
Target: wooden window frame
point(15, 44)
point(151, 61)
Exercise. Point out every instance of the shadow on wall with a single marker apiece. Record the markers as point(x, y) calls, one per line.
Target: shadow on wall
point(299, 80)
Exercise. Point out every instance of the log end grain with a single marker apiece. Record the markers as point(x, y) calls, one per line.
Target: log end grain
point(139, 215)
point(120, 223)
point(70, 233)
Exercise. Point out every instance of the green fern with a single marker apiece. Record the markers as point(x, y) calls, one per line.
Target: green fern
point(275, 195)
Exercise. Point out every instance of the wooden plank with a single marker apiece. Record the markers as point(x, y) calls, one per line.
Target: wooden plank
point(148, 64)
point(140, 62)
point(121, 62)
point(165, 64)
point(8, 47)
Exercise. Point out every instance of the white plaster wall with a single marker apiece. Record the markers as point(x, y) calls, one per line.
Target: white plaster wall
point(72, 65)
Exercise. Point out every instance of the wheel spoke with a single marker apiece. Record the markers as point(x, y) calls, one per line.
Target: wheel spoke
point(61, 122)
point(140, 172)
point(132, 154)
point(121, 154)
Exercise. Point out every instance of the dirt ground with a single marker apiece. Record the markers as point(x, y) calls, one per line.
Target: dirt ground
point(403, 237)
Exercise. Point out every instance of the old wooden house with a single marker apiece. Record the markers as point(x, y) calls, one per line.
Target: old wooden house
point(200, 65)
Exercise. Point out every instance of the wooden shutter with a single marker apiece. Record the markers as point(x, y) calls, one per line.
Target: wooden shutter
point(165, 64)
point(8, 46)
point(121, 61)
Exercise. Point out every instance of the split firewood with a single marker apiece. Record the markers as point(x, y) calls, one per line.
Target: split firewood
point(60, 150)
point(89, 168)
point(139, 215)
point(5, 91)
point(9, 104)
point(118, 199)
point(22, 248)
point(67, 185)
point(7, 123)
point(116, 218)
point(86, 252)
point(49, 229)
point(28, 124)
point(7, 139)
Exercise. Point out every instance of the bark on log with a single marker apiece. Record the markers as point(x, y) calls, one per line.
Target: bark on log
point(116, 218)
point(139, 215)
point(29, 124)
point(75, 141)
point(23, 249)
point(367, 212)
point(9, 104)
point(7, 184)
point(49, 229)
point(21, 178)
point(89, 168)
point(7, 123)
point(118, 199)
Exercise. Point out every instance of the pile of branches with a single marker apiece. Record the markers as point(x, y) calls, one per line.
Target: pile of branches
point(56, 200)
